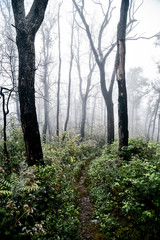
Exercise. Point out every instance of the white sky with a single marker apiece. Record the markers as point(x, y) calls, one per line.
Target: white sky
point(143, 52)
point(140, 53)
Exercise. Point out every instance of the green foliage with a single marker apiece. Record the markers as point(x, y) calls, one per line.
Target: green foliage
point(15, 147)
point(42, 203)
point(126, 194)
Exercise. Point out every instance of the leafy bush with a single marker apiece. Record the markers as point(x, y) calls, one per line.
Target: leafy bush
point(42, 202)
point(126, 194)
point(15, 147)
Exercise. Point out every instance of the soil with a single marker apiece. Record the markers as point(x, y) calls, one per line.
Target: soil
point(88, 227)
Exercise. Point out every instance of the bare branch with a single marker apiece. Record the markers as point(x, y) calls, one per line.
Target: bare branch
point(98, 3)
point(87, 31)
point(141, 37)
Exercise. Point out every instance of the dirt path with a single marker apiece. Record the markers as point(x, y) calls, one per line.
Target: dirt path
point(88, 227)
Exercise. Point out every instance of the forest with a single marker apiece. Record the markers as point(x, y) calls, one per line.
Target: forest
point(79, 120)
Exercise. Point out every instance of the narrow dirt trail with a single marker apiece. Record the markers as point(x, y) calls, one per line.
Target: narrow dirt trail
point(88, 227)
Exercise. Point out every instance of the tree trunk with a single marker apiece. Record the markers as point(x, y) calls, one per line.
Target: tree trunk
point(120, 72)
point(109, 105)
point(59, 72)
point(110, 121)
point(158, 128)
point(70, 74)
point(46, 108)
point(155, 116)
point(5, 110)
point(93, 113)
point(27, 98)
point(84, 104)
point(26, 28)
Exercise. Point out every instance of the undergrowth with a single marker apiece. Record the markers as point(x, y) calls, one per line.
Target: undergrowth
point(126, 193)
point(41, 203)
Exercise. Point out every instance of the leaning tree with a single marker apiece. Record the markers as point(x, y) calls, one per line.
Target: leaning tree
point(102, 51)
point(26, 28)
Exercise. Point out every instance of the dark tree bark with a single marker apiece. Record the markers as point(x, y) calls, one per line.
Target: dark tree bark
point(26, 29)
point(5, 110)
point(120, 73)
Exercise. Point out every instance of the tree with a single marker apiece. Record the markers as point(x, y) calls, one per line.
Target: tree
point(70, 75)
point(5, 110)
point(84, 91)
point(9, 52)
point(154, 112)
point(100, 58)
point(120, 74)
point(46, 32)
point(102, 52)
point(137, 88)
point(59, 70)
point(26, 28)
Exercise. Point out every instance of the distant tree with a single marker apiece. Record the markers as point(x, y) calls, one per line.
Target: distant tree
point(137, 88)
point(120, 75)
point(59, 70)
point(26, 28)
point(100, 58)
point(85, 94)
point(102, 52)
point(70, 73)
point(154, 112)
point(95, 96)
point(9, 53)
point(46, 33)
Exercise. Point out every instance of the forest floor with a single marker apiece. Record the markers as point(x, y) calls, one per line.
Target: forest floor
point(88, 226)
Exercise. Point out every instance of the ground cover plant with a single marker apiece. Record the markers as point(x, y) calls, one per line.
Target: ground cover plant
point(41, 202)
point(126, 193)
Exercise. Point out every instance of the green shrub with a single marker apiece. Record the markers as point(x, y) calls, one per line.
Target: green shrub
point(126, 194)
point(15, 147)
point(41, 203)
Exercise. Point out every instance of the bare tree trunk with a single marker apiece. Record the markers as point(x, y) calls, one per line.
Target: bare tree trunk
point(5, 110)
point(109, 103)
point(84, 105)
point(93, 113)
point(70, 77)
point(59, 71)
point(10, 52)
point(99, 54)
point(150, 123)
point(155, 116)
point(46, 108)
point(75, 114)
point(105, 125)
point(158, 128)
point(26, 28)
point(101, 60)
point(84, 96)
point(120, 72)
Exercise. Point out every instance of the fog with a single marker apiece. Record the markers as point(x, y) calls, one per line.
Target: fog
point(142, 73)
